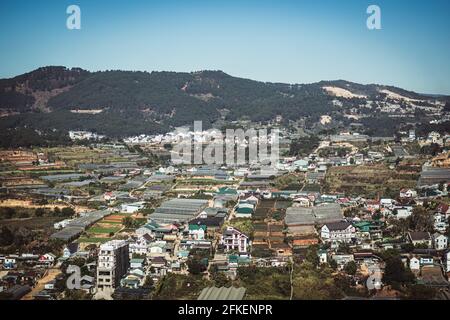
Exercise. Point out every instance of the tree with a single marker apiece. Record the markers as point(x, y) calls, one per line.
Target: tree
point(8, 213)
point(396, 273)
point(149, 283)
point(57, 212)
point(421, 292)
point(333, 264)
point(6, 236)
point(39, 212)
point(128, 222)
point(420, 220)
point(195, 266)
point(312, 256)
point(67, 212)
point(220, 279)
point(351, 268)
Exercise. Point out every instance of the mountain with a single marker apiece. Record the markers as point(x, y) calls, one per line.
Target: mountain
point(53, 100)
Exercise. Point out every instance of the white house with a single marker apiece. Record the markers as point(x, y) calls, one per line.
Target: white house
point(323, 256)
point(197, 231)
point(342, 231)
point(427, 260)
point(141, 245)
point(302, 201)
point(387, 203)
point(408, 193)
point(402, 212)
point(234, 240)
point(440, 241)
point(414, 264)
point(132, 207)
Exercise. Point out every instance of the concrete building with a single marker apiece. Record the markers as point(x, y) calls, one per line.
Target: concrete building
point(113, 264)
point(338, 232)
point(234, 240)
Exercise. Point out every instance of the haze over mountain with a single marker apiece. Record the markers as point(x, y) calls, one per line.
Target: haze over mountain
point(124, 103)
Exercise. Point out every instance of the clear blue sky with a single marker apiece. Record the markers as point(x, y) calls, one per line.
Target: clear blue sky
point(298, 41)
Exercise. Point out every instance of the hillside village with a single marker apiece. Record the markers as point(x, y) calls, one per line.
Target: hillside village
point(343, 216)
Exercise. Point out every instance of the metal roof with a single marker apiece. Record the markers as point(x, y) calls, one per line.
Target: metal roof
point(222, 293)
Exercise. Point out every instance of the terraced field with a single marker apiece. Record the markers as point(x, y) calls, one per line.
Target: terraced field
point(370, 180)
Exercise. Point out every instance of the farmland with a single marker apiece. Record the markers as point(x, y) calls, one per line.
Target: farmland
point(370, 180)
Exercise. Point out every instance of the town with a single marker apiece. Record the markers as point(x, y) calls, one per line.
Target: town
point(339, 216)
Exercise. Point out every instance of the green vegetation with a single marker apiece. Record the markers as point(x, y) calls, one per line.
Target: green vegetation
point(242, 224)
point(180, 287)
point(303, 146)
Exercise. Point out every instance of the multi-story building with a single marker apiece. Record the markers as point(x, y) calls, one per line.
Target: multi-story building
point(113, 263)
point(338, 232)
point(234, 240)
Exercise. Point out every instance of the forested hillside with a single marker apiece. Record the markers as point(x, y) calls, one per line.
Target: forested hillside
point(122, 103)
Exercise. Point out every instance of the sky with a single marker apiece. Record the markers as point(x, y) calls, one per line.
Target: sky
point(298, 41)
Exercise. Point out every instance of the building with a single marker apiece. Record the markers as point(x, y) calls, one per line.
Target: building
point(420, 238)
point(178, 210)
point(234, 240)
point(223, 293)
point(301, 220)
point(132, 207)
point(342, 231)
point(408, 193)
point(113, 263)
point(440, 241)
point(414, 264)
point(197, 231)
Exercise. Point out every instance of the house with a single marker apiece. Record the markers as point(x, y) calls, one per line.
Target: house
point(440, 242)
point(302, 202)
point(341, 231)
point(323, 256)
point(444, 209)
point(70, 250)
point(197, 231)
point(387, 203)
point(234, 240)
point(408, 193)
point(132, 207)
point(244, 210)
point(414, 264)
point(420, 238)
point(109, 196)
point(9, 263)
point(251, 200)
point(141, 245)
point(158, 266)
point(440, 222)
point(373, 205)
point(50, 285)
point(213, 224)
point(426, 261)
point(342, 259)
point(402, 212)
point(137, 263)
point(47, 259)
point(157, 248)
point(134, 279)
